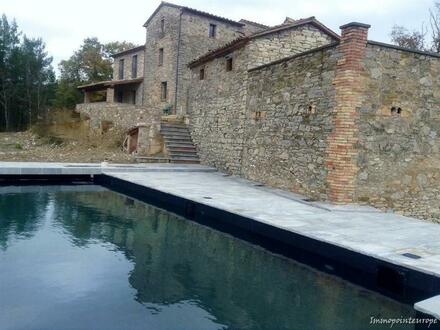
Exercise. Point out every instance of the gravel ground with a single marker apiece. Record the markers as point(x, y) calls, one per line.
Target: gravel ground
point(26, 146)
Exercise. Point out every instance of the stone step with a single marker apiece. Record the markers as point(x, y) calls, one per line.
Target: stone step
point(183, 134)
point(171, 126)
point(187, 149)
point(179, 143)
point(186, 139)
point(174, 155)
point(174, 129)
point(185, 161)
point(191, 149)
point(144, 159)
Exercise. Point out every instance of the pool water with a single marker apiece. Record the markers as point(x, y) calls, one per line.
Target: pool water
point(94, 259)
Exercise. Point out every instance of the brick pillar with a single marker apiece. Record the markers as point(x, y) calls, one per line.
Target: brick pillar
point(342, 144)
point(110, 98)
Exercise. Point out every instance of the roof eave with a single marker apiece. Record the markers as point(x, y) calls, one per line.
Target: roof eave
point(163, 3)
point(226, 50)
point(128, 51)
point(110, 83)
point(194, 11)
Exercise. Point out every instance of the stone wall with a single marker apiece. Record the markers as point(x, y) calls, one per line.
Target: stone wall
point(217, 107)
point(195, 42)
point(154, 73)
point(217, 104)
point(399, 156)
point(103, 115)
point(276, 46)
point(125, 116)
point(289, 119)
point(128, 59)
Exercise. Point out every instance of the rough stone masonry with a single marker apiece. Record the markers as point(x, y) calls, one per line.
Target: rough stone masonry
point(294, 106)
point(350, 121)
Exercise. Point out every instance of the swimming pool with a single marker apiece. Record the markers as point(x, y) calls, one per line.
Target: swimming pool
point(95, 259)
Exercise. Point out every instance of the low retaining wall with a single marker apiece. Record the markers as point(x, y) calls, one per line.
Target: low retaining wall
point(121, 115)
point(102, 115)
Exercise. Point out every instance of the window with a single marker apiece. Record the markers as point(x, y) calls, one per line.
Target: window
point(134, 66)
point(120, 96)
point(229, 64)
point(202, 74)
point(160, 56)
point(212, 30)
point(164, 91)
point(162, 27)
point(121, 69)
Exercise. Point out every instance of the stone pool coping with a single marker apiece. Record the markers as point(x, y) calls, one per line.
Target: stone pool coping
point(363, 230)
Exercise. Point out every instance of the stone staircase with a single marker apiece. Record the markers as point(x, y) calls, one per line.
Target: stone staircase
point(178, 143)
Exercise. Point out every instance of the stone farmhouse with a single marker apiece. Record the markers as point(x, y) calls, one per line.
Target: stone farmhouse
point(295, 106)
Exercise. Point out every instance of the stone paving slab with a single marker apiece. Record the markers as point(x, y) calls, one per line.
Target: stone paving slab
point(40, 168)
point(385, 236)
point(429, 306)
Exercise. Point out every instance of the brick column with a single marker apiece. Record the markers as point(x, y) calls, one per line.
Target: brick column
point(342, 144)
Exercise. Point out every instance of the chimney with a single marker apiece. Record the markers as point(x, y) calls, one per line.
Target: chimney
point(342, 143)
point(354, 38)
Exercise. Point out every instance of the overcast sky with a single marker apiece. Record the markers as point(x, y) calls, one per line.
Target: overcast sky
point(64, 24)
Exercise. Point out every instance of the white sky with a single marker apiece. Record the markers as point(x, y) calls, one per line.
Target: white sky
point(64, 24)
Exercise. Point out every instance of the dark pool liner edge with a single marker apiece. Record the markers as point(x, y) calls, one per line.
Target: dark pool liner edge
point(46, 179)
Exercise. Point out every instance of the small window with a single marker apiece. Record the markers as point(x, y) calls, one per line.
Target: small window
point(162, 27)
point(202, 73)
point(229, 64)
point(134, 66)
point(212, 30)
point(164, 91)
point(121, 69)
point(120, 96)
point(160, 56)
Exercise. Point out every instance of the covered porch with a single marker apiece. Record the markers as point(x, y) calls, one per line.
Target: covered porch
point(128, 91)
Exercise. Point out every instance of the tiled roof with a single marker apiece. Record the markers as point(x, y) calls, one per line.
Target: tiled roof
point(241, 41)
point(194, 11)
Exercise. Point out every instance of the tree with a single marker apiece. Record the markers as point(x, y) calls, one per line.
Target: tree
point(408, 39)
point(26, 78)
point(434, 17)
point(92, 62)
point(9, 40)
point(38, 76)
point(417, 39)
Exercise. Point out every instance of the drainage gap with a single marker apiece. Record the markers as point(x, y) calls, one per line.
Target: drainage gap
point(411, 255)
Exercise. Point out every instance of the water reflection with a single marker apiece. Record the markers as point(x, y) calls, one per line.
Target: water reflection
point(183, 275)
point(21, 215)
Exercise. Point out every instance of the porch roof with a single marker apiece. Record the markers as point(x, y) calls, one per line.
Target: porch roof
point(109, 83)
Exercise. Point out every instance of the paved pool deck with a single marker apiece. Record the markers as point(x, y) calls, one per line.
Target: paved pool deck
point(385, 236)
